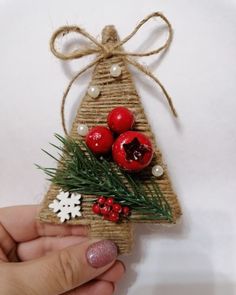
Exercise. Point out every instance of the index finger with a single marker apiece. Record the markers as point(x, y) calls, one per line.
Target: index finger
point(22, 225)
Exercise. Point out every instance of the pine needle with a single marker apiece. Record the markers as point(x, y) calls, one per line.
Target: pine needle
point(80, 171)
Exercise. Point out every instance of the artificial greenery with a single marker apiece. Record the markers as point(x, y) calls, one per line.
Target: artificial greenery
point(80, 171)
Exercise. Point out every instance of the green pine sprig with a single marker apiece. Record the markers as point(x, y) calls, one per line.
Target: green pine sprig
point(82, 172)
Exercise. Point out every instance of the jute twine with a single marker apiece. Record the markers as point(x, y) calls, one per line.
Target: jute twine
point(106, 50)
point(114, 92)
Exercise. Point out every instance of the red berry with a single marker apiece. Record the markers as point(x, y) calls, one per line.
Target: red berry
point(101, 200)
point(132, 151)
point(120, 120)
point(96, 208)
point(110, 201)
point(117, 208)
point(105, 210)
point(126, 211)
point(114, 216)
point(99, 140)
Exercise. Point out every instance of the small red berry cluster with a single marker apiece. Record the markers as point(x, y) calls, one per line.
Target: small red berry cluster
point(109, 209)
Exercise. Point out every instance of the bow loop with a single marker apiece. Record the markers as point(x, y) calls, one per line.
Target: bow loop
point(63, 31)
point(138, 27)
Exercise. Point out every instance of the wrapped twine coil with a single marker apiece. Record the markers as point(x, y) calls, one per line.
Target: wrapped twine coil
point(114, 92)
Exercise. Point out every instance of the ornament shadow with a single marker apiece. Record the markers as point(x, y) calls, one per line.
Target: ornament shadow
point(203, 288)
point(141, 233)
point(182, 265)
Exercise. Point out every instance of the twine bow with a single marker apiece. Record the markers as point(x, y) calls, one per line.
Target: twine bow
point(103, 51)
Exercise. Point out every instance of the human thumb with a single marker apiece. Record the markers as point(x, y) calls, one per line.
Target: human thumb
point(67, 269)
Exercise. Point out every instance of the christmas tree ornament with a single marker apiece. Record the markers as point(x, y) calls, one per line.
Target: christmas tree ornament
point(115, 176)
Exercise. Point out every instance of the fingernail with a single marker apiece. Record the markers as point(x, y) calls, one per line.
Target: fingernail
point(101, 253)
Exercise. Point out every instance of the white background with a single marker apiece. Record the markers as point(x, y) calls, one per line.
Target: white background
point(198, 255)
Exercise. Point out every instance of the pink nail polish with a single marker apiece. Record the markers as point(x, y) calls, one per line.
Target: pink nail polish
point(101, 253)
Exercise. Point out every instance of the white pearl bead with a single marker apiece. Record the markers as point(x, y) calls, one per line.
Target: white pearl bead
point(93, 91)
point(82, 129)
point(157, 170)
point(115, 70)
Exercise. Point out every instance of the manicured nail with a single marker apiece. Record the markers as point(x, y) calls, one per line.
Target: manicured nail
point(101, 253)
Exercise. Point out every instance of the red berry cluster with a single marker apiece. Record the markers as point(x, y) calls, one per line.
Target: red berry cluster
point(131, 150)
point(100, 139)
point(109, 209)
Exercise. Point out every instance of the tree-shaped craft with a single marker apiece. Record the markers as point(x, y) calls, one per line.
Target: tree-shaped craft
point(110, 172)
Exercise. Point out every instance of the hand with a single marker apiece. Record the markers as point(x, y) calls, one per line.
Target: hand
point(46, 259)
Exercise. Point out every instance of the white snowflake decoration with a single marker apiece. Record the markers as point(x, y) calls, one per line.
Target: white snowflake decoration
point(66, 205)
